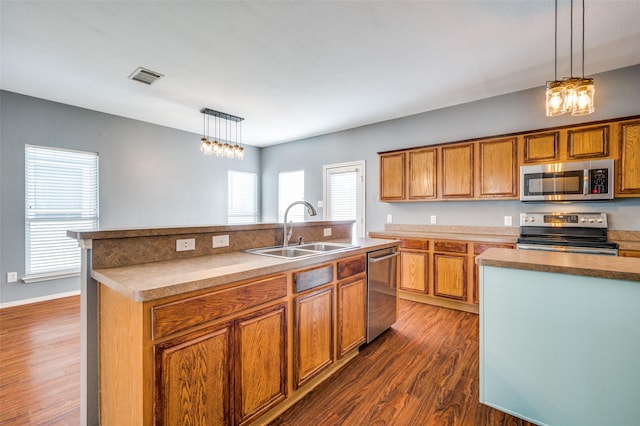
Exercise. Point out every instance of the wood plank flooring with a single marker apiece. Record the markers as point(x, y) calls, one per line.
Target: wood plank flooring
point(424, 371)
point(40, 363)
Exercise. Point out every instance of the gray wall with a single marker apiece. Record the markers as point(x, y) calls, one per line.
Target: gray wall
point(617, 95)
point(149, 176)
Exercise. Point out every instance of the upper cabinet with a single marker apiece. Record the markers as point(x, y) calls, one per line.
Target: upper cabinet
point(489, 168)
point(628, 182)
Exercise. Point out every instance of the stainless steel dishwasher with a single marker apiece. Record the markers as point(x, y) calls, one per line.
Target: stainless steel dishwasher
point(382, 266)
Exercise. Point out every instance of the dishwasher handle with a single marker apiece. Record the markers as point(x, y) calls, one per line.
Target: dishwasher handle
point(381, 258)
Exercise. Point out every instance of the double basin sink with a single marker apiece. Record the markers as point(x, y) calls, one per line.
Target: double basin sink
point(302, 250)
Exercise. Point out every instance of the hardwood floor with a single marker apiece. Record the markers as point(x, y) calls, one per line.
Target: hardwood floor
point(40, 363)
point(424, 371)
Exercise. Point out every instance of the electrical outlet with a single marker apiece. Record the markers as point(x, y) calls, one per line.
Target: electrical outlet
point(12, 277)
point(186, 244)
point(433, 219)
point(508, 221)
point(320, 204)
point(327, 232)
point(389, 218)
point(220, 241)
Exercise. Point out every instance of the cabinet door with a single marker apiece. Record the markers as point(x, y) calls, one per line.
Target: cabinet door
point(413, 271)
point(591, 142)
point(422, 174)
point(629, 167)
point(313, 334)
point(392, 176)
point(261, 377)
point(541, 147)
point(457, 171)
point(193, 378)
point(498, 161)
point(351, 314)
point(450, 276)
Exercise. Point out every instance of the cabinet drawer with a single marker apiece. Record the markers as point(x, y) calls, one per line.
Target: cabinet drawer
point(450, 246)
point(183, 314)
point(305, 280)
point(478, 248)
point(414, 244)
point(352, 266)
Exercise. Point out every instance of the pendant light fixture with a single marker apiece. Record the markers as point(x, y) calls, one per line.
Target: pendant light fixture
point(572, 94)
point(215, 147)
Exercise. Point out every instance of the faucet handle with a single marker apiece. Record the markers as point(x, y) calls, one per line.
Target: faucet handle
point(300, 240)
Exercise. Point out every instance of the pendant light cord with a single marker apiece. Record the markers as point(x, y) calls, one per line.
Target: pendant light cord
point(582, 38)
point(571, 40)
point(555, 45)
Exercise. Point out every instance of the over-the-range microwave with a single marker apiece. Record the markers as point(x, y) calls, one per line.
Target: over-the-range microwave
point(575, 181)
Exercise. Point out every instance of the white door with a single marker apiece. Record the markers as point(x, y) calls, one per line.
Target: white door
point(344, 194)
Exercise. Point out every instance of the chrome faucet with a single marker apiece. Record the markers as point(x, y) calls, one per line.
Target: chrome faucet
point(287, 234)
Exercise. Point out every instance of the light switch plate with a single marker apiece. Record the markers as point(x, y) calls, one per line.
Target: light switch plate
point(327, 232)
point(389, 218)
point(508, 221)
point(433, 219)
point(12, 277)
point(320, 204)
point(220, 241)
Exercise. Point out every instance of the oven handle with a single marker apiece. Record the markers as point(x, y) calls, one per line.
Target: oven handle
point(580, 250)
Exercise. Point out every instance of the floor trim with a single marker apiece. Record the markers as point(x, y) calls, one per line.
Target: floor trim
point(39, 299)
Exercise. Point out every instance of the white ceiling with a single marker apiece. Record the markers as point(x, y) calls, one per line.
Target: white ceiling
point(295, 69)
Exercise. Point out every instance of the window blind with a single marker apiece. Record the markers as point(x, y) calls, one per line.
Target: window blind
point(242, 197)
point(290, 189)
point(61, 193)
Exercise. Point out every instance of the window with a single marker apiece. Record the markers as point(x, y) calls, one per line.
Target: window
point(344, 194)
point(242, 198)
point(290, 189)
point(61, 193)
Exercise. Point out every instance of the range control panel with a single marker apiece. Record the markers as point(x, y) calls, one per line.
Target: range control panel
point(562, 220)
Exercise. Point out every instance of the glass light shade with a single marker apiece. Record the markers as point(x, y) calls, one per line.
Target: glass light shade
point(555, 97)
point(206, 146)
point(570, 85)
point(585, 91)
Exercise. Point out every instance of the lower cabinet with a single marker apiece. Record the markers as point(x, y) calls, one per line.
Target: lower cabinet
point(413, 271)
point(352, 299)
point(226, 374)
point(450, 276)
point(313, 336)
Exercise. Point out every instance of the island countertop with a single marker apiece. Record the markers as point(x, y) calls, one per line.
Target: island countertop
point(614, 267)
point(154, 280)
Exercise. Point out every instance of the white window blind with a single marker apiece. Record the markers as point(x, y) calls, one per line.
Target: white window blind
point(344, 194)
point(290, 189)
point(242, 198)
point(61, 193)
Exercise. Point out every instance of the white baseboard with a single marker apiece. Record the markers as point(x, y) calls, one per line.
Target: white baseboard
point(39, 299)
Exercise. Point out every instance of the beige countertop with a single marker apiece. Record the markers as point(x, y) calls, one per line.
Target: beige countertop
point(154, 280)
point(612, 267)
point(447, 232)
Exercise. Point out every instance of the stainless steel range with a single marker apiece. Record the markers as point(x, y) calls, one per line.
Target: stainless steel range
point(566, 232)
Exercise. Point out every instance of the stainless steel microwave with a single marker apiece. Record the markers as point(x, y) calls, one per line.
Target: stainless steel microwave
point(576, 181)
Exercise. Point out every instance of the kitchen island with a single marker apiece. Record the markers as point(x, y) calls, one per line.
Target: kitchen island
point(214, 334)
point(559, 343)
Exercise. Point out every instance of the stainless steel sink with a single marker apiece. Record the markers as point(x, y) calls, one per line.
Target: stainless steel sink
point(304, 250)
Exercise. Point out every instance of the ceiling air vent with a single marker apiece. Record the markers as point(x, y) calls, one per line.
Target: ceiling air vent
point(145, 76)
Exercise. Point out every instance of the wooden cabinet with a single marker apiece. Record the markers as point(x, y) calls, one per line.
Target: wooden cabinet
point(450, 269)
point(568, 144)
point(313, 336)
point(498, 168)
point(422, 174)
point(352, 303)
point(392, 176)
point(413, 271)
point(194, 378)
point(588, 143)
point(629, 253)
point(199, 376)
point(628, 179)
point(352, 299)
point(457, 171)
point(260, 362)
point(541, 147)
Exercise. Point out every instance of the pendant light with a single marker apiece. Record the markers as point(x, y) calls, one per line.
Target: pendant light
point(216, 147)
point(572, 94)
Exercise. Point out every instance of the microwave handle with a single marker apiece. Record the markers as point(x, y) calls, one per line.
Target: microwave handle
point(585, 186)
